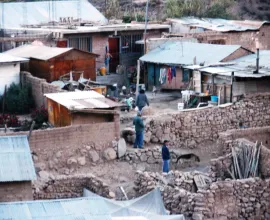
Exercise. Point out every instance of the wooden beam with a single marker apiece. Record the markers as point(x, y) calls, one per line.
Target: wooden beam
point(95, 111)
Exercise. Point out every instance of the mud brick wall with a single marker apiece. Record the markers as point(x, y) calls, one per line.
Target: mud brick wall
point(39, 87)
point(190, 128)
point(15, 191)
point(69, 187)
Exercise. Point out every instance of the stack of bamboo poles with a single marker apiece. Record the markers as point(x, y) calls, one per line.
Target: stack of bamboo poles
point(245, 161)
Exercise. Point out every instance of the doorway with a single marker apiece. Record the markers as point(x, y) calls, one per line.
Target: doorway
point(114, 43)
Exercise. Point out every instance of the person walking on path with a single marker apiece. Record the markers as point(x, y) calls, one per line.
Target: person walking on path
point(166, 157)
point(141, 100)
point(139, 128)
point(108, 56)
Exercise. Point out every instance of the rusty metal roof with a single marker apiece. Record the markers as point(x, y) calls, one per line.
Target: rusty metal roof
point(82, 100)
point(220, 25)
point(16, 162)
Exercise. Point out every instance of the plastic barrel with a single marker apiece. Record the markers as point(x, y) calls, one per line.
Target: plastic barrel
point(103, 71)
point(214, 98)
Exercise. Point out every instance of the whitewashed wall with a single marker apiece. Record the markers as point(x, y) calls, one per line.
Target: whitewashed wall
point(9, 73)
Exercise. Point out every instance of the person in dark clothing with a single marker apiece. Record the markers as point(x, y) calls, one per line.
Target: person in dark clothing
point(139, 128)
point(141, 100)
point(166, 157)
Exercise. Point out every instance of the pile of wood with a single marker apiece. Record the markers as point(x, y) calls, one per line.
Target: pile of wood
point(245, 161)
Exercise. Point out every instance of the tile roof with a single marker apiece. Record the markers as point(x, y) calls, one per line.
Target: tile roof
point(16, 162)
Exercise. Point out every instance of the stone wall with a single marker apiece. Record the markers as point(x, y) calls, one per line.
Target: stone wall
point(178, 189)
point(69, 187)
point(190, 128)
point(224, 200)
point(39, 87)
point(237, 199)
point(15, 191)
point(66, 149)
point(151, 158)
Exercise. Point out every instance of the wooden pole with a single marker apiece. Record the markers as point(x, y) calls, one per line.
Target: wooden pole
point(3, 106)
point(31, 129)
point(231, 95)
point(138, 77)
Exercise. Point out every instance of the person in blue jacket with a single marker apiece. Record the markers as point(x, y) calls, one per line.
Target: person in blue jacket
point(141, 100)
point(139, 129)
point(166, 157)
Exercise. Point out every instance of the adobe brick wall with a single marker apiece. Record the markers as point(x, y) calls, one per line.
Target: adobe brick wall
point(15, 191)
point(39, 87)
point(66, 149)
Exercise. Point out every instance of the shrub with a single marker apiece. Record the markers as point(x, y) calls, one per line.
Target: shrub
point(40, 115)
point(9, 120)
point(18, 99)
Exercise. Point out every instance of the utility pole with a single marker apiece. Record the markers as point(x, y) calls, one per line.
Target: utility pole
point(145, 28)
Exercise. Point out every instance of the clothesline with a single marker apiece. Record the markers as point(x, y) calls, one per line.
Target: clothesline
point(167, 73)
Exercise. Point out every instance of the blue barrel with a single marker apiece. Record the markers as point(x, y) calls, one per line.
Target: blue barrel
point(214, 98)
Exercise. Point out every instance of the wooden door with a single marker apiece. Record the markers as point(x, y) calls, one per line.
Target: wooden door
point(114, 51)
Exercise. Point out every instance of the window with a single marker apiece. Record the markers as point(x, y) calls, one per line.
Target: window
point(185, 75)
point(128, 43)
point(81, 43)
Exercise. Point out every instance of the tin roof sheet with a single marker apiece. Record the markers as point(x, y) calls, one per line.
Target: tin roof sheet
point(16, 162)
point(242, 67)
point(37, 52)
point(220, 25)
point(39, 12)
point(64, 209)
point(6, 58)
point(82, 100)
point(183, 53)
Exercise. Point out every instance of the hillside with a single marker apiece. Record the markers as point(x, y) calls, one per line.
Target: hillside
point(239, 9)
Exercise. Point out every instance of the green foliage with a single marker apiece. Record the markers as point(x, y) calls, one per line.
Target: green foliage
point(19, 99)
point(198, 8)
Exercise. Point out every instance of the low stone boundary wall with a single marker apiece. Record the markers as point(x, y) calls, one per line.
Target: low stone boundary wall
point(69, 187)
point(190, 128)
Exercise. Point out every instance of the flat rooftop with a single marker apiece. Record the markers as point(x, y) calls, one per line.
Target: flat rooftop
point(93, 29)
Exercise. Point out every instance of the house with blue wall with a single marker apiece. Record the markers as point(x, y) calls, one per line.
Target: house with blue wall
point(165, 64)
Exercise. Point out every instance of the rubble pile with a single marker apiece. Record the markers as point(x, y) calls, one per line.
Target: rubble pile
point(69, 187)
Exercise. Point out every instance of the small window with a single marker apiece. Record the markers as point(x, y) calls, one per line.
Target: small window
point(185, 75)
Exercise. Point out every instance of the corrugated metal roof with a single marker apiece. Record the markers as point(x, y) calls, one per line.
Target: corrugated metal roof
point(82, 100)
point(6, 58)
point(38, 12)
point(221, 25)
point(64, 209)
point(242, 67)
point(16, 162)
point(183, 53)
point(37, 52)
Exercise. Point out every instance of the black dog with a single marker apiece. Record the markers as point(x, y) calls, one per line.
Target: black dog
point(188, 157)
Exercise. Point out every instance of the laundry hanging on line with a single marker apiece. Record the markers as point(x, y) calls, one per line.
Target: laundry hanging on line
point(163, 75)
